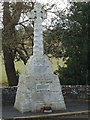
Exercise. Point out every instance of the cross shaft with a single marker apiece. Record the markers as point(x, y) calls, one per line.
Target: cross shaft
point(38, 14)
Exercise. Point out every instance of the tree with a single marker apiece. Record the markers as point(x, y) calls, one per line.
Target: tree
point(54, 35)
point(10, 46)
point(14, 41)
point(8, 38)
point(72, 33)
point(75, 43)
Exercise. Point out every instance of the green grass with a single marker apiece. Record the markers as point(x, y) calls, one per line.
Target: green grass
point(21, 67)
point(18, 65)
point(55, 62)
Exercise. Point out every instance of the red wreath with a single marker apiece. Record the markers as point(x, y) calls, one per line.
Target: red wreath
point(45, 108)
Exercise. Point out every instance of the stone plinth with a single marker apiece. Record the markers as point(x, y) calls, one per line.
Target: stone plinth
point(38, 87)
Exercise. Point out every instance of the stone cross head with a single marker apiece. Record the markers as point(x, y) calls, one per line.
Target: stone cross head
point(38, 12)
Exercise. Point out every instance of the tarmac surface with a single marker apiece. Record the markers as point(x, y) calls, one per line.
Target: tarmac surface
point(71, 106)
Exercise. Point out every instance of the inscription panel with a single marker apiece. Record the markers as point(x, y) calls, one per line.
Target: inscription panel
point(40, 69)
point(43, 86)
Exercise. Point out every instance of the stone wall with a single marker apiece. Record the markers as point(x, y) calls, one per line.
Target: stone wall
point(76, 92)
point(79, 92)
point(8, 95)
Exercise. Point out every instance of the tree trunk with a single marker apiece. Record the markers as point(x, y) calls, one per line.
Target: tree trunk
point(9, 67)
point(8, 39)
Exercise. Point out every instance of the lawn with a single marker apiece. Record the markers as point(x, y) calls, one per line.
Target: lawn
point(21, 67)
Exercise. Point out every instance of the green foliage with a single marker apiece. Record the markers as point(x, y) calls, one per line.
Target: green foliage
point(75, 44)
point(52, 42)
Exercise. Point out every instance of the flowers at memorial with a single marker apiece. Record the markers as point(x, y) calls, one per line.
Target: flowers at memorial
point(46, 108)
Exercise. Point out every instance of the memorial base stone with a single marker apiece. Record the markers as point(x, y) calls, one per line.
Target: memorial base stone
point(39, 87)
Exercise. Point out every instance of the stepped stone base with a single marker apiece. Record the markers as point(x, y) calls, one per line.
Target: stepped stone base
point(38, 87)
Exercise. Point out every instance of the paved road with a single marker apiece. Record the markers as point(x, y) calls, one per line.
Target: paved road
point(72, 106)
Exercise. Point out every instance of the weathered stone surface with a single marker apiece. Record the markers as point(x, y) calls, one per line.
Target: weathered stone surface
point(38, 14)
point(71, 92)
point(37, 88)
point(39, 66)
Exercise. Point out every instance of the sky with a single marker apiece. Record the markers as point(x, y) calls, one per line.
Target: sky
point(61, 4)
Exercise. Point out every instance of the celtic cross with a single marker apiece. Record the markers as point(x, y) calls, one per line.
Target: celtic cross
point(38, 14)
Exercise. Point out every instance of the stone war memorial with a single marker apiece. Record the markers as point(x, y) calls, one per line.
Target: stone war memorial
point(38, 86)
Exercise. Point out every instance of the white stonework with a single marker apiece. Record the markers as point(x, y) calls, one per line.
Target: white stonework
point(38, 14)
point(38, 86)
